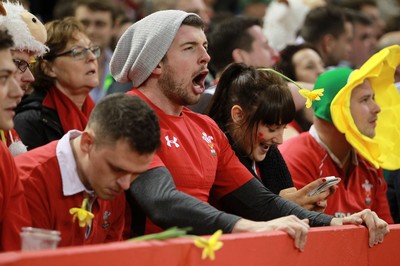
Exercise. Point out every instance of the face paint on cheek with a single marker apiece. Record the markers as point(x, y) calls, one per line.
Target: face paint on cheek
point(258, 136)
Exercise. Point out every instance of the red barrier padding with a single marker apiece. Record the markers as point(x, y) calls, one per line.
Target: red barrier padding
point(341, 245)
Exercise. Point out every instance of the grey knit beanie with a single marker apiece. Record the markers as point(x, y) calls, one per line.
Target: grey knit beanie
point(143, 45)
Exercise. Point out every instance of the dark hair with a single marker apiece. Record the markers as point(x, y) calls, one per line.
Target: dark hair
point(321, 21)
point(356, 4)
point(98, 5)
point(59, 33)
point(194, 21)
point(6, 40)
point(226, 36)
point(358, 17)
point(393, 24)
point(121, 116)
point(285, 64)
point(263, 95)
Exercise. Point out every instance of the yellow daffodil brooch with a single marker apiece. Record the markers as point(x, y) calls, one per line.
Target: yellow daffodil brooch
point(210, 245)
point(310, 96)
point(84, 216)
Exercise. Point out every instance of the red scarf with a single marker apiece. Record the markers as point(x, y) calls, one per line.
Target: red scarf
point(71, 117)
point(9, 136)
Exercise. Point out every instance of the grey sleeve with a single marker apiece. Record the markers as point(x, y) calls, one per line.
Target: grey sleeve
point(155, 193)
point(255, 202)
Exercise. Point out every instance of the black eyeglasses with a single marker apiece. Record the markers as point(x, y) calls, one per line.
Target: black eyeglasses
point(81, 52)
point(22, 65)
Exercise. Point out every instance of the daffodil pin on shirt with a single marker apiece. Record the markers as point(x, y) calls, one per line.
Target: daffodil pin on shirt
point(84, 216)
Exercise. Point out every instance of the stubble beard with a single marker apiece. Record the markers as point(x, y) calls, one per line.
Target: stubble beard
point(175, 91)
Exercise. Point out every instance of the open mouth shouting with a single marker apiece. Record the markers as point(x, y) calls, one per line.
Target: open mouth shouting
point(198, 82)
point(264, 147)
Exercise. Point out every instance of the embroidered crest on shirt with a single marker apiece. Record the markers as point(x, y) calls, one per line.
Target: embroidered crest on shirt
point(367, 187)
point(106, 223)
point(209, 142)
point(173, 141)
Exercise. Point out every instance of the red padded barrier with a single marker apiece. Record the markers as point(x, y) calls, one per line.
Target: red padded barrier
point(342, 245)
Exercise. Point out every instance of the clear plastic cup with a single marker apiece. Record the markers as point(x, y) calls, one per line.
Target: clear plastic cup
point(39, 239)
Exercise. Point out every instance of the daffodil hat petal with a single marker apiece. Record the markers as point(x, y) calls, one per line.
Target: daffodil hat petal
point(384, 149)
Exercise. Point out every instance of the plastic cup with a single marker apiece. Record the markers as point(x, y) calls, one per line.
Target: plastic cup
point(39, 239)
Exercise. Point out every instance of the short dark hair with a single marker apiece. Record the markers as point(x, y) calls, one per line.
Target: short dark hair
point(194, 21)
point(357, 4)
point(98, 5)
point(263, 95)
point(226, 36)
point(6, 40)
point(121, 116)
point(358, 17)
point(393, 24)
point(285, 64)
point(321, 21)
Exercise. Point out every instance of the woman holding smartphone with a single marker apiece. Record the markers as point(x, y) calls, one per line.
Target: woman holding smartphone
point(253, 107)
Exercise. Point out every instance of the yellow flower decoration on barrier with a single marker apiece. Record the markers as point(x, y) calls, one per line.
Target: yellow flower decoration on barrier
point(85, 217)
point(310, 96)
point(210, 245)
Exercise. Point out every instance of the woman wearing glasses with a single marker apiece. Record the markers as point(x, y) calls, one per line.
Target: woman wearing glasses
point(63, 79)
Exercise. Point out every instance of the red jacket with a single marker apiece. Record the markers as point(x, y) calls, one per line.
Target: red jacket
point(40, 174)
point(365, 188)
point(14, 212)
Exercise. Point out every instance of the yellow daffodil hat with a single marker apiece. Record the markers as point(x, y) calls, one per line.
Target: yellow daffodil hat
point(384, 149)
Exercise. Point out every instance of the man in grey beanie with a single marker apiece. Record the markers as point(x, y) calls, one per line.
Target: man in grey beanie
point(165, 56)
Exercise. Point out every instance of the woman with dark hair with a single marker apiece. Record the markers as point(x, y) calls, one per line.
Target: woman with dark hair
point(63, 79)
point(253, 107)
point(300, 62)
